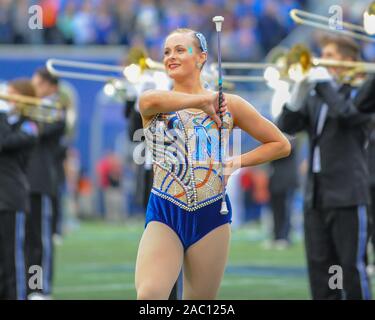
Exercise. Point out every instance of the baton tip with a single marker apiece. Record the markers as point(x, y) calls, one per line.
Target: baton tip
point(218, 22)
point(224, 208)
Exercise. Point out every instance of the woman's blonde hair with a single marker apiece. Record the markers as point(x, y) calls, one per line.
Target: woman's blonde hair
point(198, 39)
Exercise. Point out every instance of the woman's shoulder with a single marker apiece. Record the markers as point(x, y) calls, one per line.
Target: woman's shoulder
point(239, 108)
point(232, 101)
point(233, 98)
point(236, 102)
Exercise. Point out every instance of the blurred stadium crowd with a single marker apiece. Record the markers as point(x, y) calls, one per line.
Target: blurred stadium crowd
point(255, 24)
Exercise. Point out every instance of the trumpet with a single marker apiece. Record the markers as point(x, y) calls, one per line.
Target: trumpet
point(34, 108)
point(348, 29)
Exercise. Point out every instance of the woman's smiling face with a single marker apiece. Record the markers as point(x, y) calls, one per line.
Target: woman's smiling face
point(181, 55)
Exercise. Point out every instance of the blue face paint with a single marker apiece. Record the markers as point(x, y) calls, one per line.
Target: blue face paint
point(190, 50)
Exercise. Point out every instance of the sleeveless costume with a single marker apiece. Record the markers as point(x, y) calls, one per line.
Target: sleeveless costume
point(186, 192)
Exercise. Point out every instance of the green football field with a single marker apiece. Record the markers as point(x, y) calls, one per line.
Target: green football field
point(96, 261)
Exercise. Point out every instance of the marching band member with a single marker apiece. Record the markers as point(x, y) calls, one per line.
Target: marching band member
point(17, 136)
point(336, 197)
point(43, 177)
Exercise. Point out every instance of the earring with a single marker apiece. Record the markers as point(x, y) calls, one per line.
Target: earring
point(199, 65)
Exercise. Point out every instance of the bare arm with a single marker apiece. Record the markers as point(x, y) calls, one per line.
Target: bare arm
point(153, 102)
point(274, 144)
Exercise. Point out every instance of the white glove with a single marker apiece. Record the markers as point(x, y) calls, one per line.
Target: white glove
point(298, 94)
point(5, 107)
point(319, 74)
point(47, 102)
point(280, 97)
point(131, 92)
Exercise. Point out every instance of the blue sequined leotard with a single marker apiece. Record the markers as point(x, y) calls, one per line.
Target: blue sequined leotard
point(187, 172)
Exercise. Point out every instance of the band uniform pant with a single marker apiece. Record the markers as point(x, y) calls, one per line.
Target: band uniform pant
point(337, 237)
point(12, 255)
point(39, 246)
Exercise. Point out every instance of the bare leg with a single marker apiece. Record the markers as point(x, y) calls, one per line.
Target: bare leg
point(159, 261)
point(204, 264)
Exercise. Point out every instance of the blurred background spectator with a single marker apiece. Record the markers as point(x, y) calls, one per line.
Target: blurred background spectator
point(249, 23)
point(109, 173)
point(256, 24)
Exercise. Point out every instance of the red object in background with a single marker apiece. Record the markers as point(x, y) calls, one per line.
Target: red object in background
point(109, 166)
point(255, 182)
point(246, 180)
point(102, 169)
point(50, 9)
point(261, 193)
point(84, 186)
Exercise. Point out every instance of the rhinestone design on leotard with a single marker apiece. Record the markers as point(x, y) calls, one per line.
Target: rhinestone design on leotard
point(184, 148)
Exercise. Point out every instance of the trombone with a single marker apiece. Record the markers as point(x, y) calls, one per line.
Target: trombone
point(281, 67)
point(295, 63)
point(242, 66)
point(138, 63)
point(131, 72)
point(37, 109)
point(300, 61)
point(324, 23)
point(275, 60)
